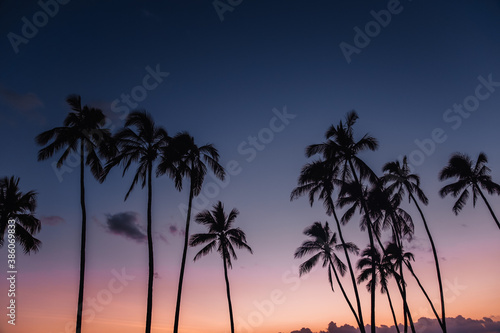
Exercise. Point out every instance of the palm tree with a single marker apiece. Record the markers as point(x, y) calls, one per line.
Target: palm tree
point(467, 174)
point(82, 133)
point(323, 245)
point(342, 148)
point(190, 160)
point(319, 177)
point(371, 258)
point(223, 237)
point(401, 182)
point(141, 141)
point(19, 206)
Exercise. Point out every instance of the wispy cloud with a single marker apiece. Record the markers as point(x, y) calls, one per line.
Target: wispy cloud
point(27, 105)
point(51, 220)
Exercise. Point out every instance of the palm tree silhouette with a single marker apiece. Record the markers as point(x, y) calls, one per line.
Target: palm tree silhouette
point(319, 177)
point(371, 258)
point(82, 133)
point(223, 237)
point(401, 182)
point(141, 141)
point(19, 206)
point(344, 149)
point(323, 246)
point(467, 174)
point(190, 160)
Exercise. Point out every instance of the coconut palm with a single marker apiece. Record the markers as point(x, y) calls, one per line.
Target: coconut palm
point(342, 148)
point(190, 160)
point(319, 177)
point(468, 175)
point(371, 258)
point(19, 206)
point(141, 141)
point(223, 237)
point(401, 182)
point(83, 134)
point(323, 246)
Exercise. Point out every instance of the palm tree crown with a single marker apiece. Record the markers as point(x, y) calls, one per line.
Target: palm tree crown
point(19, 206)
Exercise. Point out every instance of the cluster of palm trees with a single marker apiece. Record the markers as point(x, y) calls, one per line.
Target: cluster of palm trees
point(336, 175)
point(148, 147)
point(337, 169)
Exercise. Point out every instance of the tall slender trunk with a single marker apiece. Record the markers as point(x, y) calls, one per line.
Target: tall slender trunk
point(372, 244)
point(392, 309)
point(83, 240)
point(403, 284)
point(436, 261)
point(425, 293)
point(406, 309)
point(343, 292)
point(149, 310)
point(183, 263)
point(351, 271)
point(489, 207)
point(228, 292)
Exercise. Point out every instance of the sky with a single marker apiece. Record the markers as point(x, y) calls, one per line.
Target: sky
point(260, 80)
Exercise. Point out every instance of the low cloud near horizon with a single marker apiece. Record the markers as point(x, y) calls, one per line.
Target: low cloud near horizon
point(453, 325)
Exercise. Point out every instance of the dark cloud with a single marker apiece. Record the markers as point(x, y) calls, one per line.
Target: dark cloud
point(126, 224)
point(51, 220)
point(453, 325)
point(25, 104)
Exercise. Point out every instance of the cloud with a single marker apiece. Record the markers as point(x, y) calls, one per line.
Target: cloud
point(26, 105)
point(126, 224)
point(453, 325)
point(175, 231)
point(51, 220)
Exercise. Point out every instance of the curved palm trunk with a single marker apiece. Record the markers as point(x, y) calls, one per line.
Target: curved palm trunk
point(83, 241)
point(183, 263)
point(425, 293)
point(228, 292)
point(344, 293)
point(149, 310)
point(351, 271)
point(403, 284)
point(489, 207)
point(370, 236)
point(436, 261)
point(392, 309)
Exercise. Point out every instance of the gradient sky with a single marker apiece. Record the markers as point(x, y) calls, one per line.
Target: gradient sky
point(225, 79)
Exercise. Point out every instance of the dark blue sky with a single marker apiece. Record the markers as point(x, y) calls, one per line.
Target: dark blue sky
point(226, 77)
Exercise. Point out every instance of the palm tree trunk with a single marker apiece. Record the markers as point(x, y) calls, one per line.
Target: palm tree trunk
point(425, 293)
point(403, 285)
point(489, 207)
point(228, 292)
point(149, 310)
point(83, 240)
point(351, 271)
point(344, 293)
point(183, 263)
point(436, 261)
point(392, 309)
point(370, 236)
